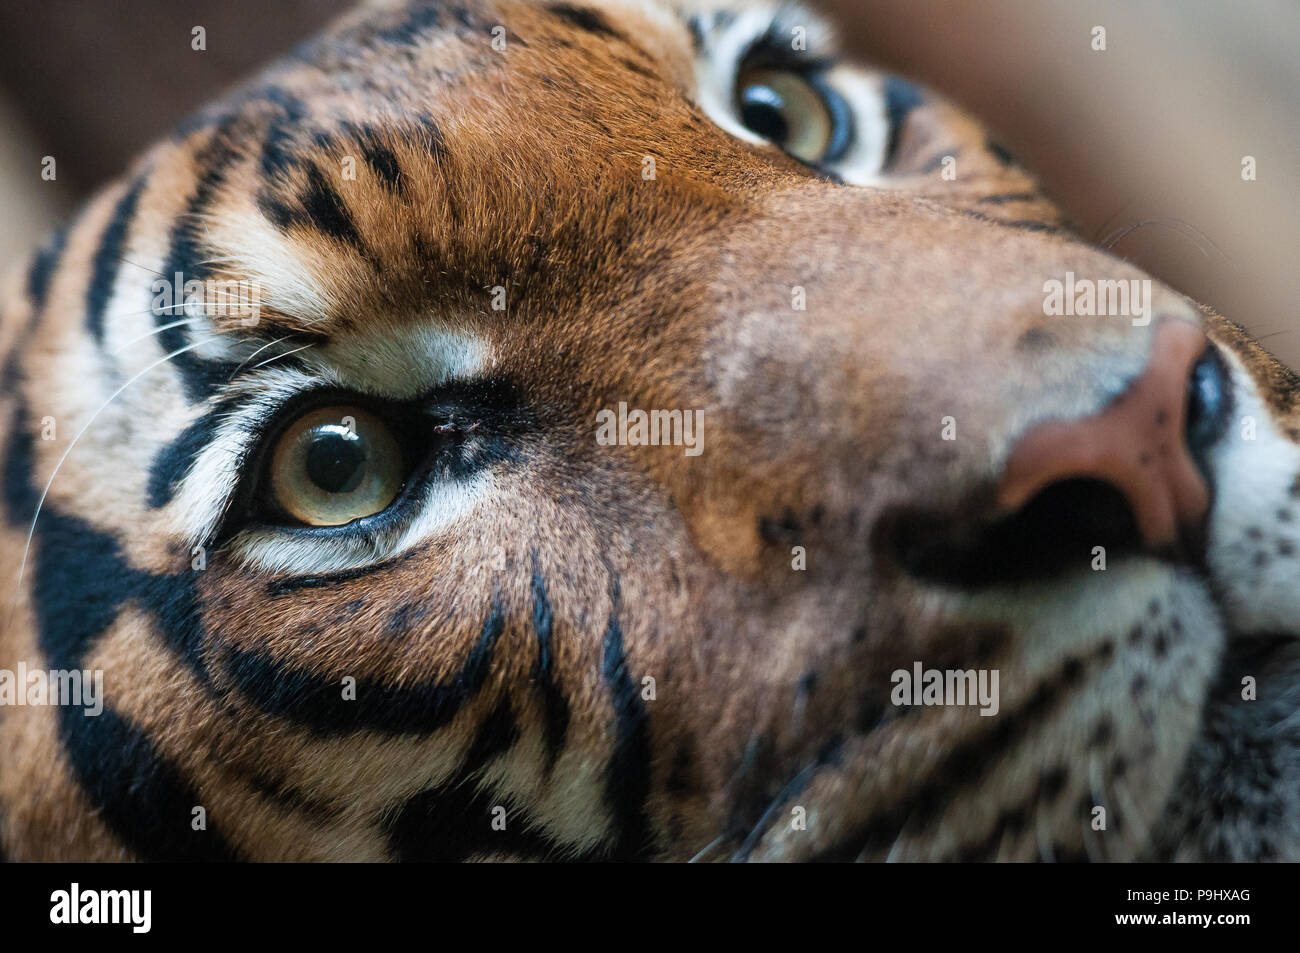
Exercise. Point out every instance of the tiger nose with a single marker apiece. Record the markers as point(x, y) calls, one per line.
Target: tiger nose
point(1150, 443)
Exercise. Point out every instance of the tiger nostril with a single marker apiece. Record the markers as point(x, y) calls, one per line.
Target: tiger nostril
point(1140, 443)
point(1056, 531)
point(1134, 476)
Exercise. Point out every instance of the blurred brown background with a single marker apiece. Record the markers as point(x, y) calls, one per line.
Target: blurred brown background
point(1142, 142)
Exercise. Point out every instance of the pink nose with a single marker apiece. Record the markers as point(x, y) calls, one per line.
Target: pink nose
point(1137, 444)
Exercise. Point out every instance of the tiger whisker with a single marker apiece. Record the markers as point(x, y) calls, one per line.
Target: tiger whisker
point(285, 354)
point(135, 264)
point(259, 351)
point(31, 531)
point(1184, 228)
point(788, 790)
point(158, 330)
point(707, 847)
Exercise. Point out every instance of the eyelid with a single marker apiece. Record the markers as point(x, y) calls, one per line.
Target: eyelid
point(452, 431)
point(769, 51)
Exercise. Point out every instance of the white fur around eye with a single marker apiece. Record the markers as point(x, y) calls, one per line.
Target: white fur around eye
point(275, 551)
point(717, 70)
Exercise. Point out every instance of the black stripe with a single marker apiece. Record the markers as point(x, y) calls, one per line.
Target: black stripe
point(1000, 153)
point(276, 211)
point(935, 162)
point(20, 493)
point(199, 378)
point(420, 20)
point(962, 766)
point(696, 26)
point(637, 68)
point(139, 794)
point(1021, 224)
point(555, 706)
point(291, 800)
point(497, 735)
point(325, 209)
point(277, 156)
point(291, 584)
point(44, 264)
point(108, 259)
point(321, 208)
point(171, 463)
point(80, 582)
point(627, 782)
point(1006, 198)
point(453, 822)
point(316, 702)
point(585, 19)
point(382, 161)
point(901, 98)
point(433, 139)
point(39, 276)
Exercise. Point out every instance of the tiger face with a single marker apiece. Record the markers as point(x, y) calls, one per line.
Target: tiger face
point(564, 430)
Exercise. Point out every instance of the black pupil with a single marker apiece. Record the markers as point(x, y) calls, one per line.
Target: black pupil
point(761, 110)
point(336, 460)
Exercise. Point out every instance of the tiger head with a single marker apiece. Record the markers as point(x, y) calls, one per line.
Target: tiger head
point(619, 430)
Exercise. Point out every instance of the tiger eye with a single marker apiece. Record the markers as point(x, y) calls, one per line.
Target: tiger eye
point(786, 109)
point(335, 465)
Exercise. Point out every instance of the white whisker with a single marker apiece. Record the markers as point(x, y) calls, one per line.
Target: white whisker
point(285, 354)
point(158, 330)
point(259, 351)
point(708, 847)
point(31, 531)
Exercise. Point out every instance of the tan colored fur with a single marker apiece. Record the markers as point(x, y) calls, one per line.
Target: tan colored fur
point(922, 301)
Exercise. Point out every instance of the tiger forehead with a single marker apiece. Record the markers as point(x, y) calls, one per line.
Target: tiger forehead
point(398, 160)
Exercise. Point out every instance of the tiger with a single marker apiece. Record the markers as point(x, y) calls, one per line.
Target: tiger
point(561, 429)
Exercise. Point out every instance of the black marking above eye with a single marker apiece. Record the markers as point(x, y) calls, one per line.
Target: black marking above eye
point(383, 162)
point(176, 458)
point(187, 255)
point(326, 210)
point(276, 156)
point(44, 264)
point(585, 19)
point(108, 258)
